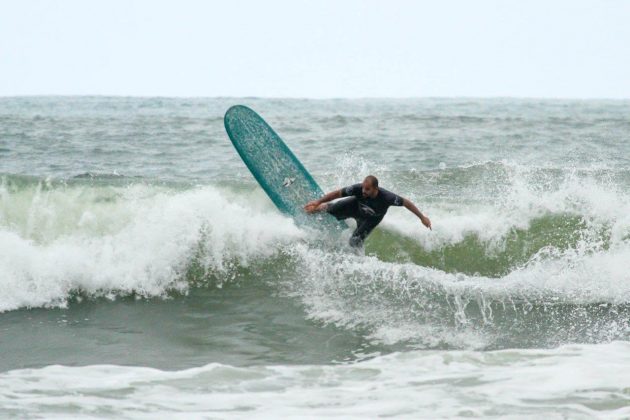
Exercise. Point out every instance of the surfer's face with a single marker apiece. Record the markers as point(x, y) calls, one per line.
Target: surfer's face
point(368, 189)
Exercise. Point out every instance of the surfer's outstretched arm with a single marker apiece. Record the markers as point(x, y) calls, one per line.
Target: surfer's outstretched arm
point(320, 205)
point(412, 208)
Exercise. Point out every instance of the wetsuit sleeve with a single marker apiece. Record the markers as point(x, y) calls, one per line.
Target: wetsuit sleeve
point(351, 190)
point(393, 199)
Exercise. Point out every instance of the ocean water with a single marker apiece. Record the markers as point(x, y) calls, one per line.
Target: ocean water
point(144, 272)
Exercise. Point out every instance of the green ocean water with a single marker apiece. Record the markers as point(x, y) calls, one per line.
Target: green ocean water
point(134, 243)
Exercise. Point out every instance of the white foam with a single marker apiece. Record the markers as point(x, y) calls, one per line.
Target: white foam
point(145, 250)
point(600, 203)
point(569, 381)
point(395, 302)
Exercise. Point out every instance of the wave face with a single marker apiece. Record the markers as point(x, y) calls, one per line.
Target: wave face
point(518, 256)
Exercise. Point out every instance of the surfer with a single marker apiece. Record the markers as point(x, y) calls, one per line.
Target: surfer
point(366, 203)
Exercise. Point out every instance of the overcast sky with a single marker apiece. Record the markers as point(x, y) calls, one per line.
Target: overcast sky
point(323, 48)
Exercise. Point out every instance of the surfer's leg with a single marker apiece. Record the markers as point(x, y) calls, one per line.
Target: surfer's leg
point(343, 209)
point(364, 228)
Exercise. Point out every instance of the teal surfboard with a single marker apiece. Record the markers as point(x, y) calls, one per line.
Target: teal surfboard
point(283, 177)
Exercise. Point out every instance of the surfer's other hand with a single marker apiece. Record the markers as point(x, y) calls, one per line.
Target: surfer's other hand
point(425, 221)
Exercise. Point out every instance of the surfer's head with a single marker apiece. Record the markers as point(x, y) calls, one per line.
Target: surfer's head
point(369, 186)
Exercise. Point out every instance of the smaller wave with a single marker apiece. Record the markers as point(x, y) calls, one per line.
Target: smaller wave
point(439, 118)
point(339, 120)
point(98, 175)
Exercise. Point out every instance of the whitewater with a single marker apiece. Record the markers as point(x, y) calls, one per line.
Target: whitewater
point(143, 270)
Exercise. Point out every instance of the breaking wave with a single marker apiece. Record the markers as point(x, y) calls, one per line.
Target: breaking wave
point(524, 257)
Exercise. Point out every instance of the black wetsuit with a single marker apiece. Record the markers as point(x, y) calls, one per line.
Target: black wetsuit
point(368, 212)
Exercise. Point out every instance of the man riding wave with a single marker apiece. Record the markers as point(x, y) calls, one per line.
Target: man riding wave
point(366, 203)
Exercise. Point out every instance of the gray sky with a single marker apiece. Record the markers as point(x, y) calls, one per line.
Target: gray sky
point(323, 48)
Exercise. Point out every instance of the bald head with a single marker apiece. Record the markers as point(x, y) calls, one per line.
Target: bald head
point(369, 187)
point(371, 179)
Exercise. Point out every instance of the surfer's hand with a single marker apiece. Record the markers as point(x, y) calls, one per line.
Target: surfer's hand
point(311, 206)
point(425, 221)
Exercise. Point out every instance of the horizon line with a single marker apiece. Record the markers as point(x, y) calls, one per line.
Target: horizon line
point(322, 98)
